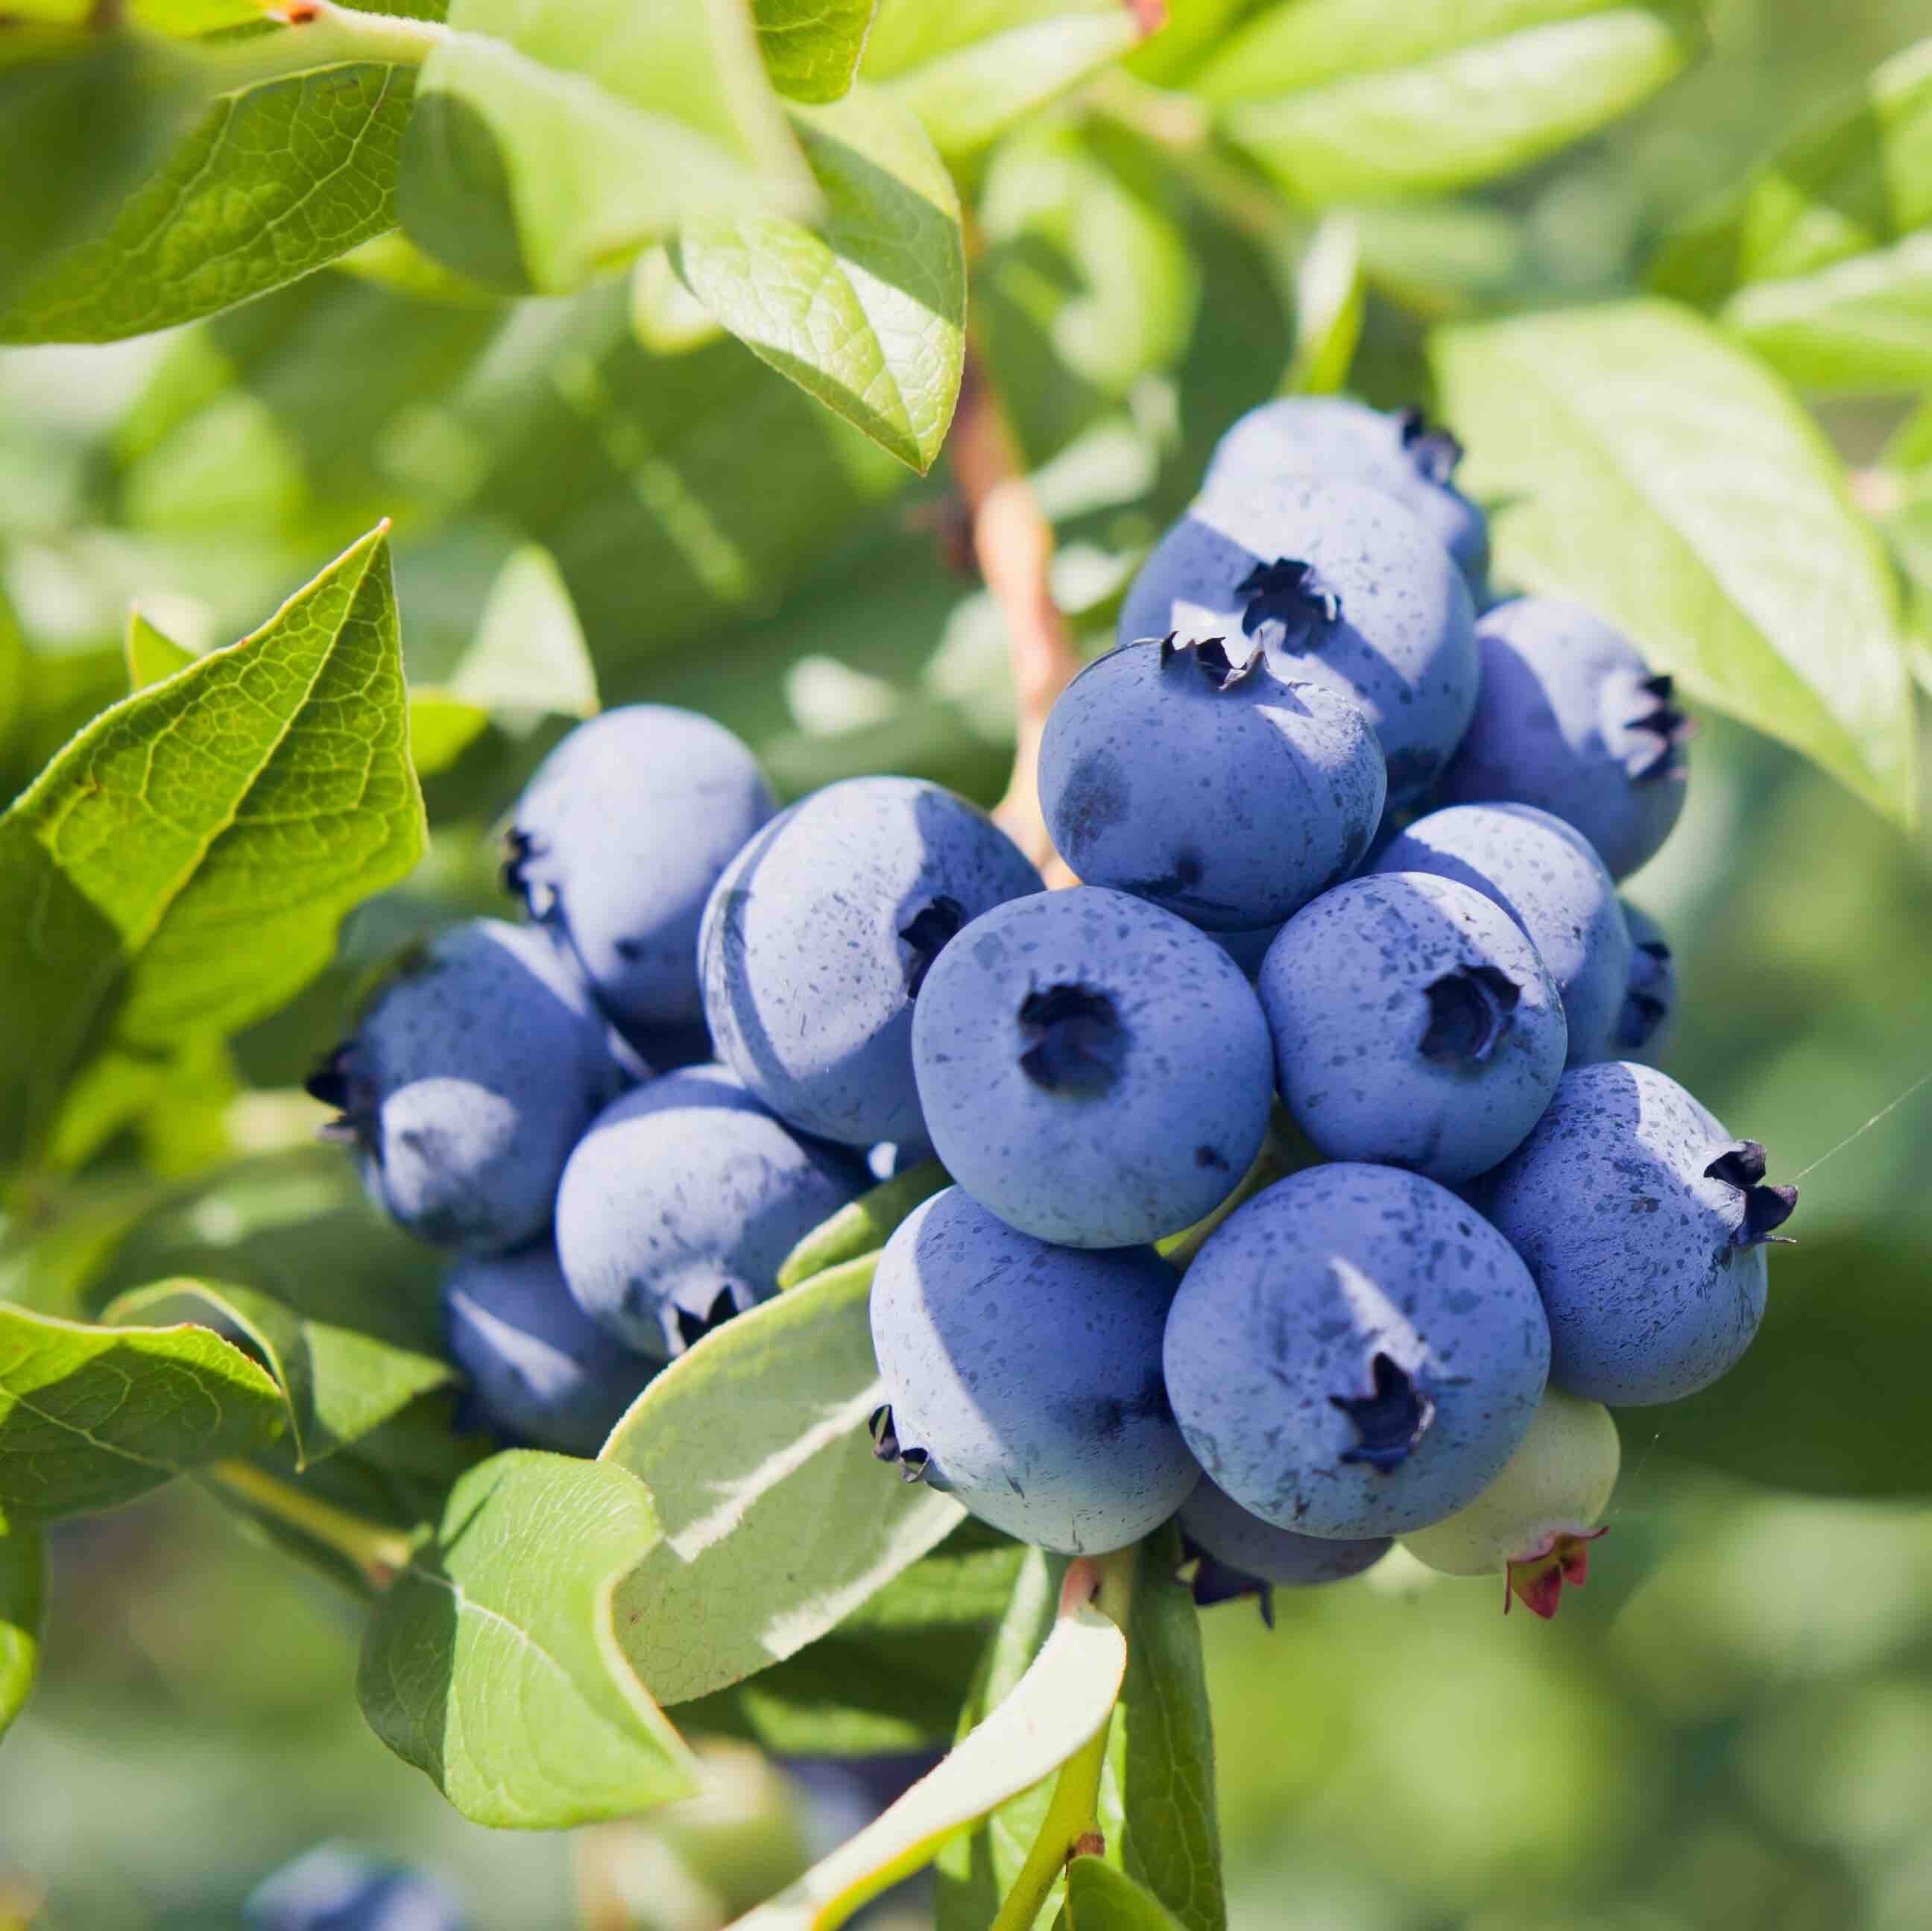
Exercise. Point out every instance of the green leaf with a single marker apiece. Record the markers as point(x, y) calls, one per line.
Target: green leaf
point(866, 309)
point(1055, 1708)
point(1340, 99)
point(493, 1663)
point(1640, 462)
point(1100, 1898)
point(893, 1676)
point(862, 1226)
point(261, 792)
point(1330, 302)
point(1856, 179)
point(529, 658)
point(666, 317)
point(340, 1381)
point(92, 1417)
point(22, 1610)
point(274, 180)
point(971, 70)
point(811, 47)
point(441, 728)
point(554, 139)
point(153, 656)
point(778, 1521)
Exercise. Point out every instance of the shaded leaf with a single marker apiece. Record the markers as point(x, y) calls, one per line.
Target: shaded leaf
point(92, 1417)
point(262, 792)
point(1353, 98)
point(778, 1520)
point(811, 47)
point(666, 317)
point(492, 1664)
point(441, 728)
point(1330, 301)
point(153, 656)
point(1640, 462)
point(865, 310)
point(862, 1226)
point(529, 657)
point(22, 1610)
point(1100, 1898)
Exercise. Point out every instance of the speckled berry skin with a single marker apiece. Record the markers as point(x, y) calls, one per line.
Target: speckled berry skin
point(681, 1200)
point(1093, 1070)
point(1355, 1353)
point(1571, 719)
point(1030, 1376)
point(1647, 1025)
point(1219, 1527)
point(1214, 790)
point(617, 842)
point(1387, 618)
point(1393, 450)
point(539, 1369)
point(820, 935)
point(1652, 1273)
point(1544, 874)
point(471, 1074)
point(1414, 1024)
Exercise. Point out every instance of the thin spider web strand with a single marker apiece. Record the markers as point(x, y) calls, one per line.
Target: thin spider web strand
point(1884, 1112)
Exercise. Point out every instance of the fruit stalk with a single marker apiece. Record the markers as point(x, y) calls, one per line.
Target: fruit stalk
point(380, 1554)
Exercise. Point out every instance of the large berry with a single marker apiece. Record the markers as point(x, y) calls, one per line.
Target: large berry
point(1025, 1379)
point(1647, 1024)
point(1201, 780)
point(332, 1888)
point(1534, 1524)
point(1393, 450)
point(1093, 1070)
point(1571, 719)
point(1342, 587)
point(470, 1076)
point(1544, 874)
point(1240, 1555)
point(681, 1200)
point(820, 933)
point(1414, 1023)
point(539, 1368)
point(1645, 1224)
point(1355, 1353)
point(617, 845)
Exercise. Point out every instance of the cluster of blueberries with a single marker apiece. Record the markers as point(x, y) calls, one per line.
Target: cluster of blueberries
point(1348, 852)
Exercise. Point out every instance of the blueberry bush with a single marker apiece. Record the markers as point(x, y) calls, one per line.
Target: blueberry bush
point(969, 982)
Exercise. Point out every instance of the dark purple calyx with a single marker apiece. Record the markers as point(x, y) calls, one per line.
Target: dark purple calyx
point(1469, 1014)
point(1647, 997)
point(336, 1083)
point(1076, 1043)
point(913, 1462)
point(1390, 1421)
point(539, 894)
point(1214, 1580)
point(1207, 658)
point(1660, 732)
point(1766, 1208)
point(1434, 452)
point(931, 930)
point(1292, 595)
point(692, 1328)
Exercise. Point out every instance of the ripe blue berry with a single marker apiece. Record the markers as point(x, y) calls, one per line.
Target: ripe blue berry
point(1093, 1070)
point(1647, 1025)
point(1025, 1379)
point(1240, 1554)
point(1204, 784)
point(1414, 1023)
point(1644, 1224)
point(1355, 1353)
point(331, 1888)
point(820, 933)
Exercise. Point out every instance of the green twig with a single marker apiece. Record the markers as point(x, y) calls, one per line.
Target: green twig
point(1073, 1816)
point(381, 1554)
point(318, 33)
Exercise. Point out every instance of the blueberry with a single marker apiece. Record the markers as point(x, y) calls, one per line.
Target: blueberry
point(1569, 718)
point(617, 842)
point(1025, 1379)
point(539, 1369)
point(333, 1889)
point(1341, 587)
point(1393, 450)
point(1644, 1224)
point(1355, 1353)
point(1534, 1524)
point(469, 1077)
point(1544, 874)
point(1093, 1070)
point(680, 1201)
point(1205, 783)
point(1240, 1554)
point(1247, 949)
point(1647, 1024)
point(1414, 1023)
point(819, 935)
